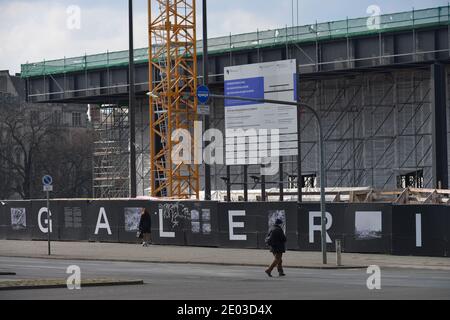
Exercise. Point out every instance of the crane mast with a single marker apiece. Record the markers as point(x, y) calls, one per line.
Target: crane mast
point(173, 77)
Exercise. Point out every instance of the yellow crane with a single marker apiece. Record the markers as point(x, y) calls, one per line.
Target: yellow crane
point(173, 103)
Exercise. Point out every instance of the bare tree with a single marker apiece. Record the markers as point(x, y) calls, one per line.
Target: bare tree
point(69, 160)
point(31, 146)
point(25, 133)
point(6, 169)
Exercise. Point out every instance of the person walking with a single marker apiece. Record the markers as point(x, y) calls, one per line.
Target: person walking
point(145, 227)
point(276, 239)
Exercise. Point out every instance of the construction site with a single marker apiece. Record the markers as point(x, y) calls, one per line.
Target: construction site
point(172, 168)
point(381, 92)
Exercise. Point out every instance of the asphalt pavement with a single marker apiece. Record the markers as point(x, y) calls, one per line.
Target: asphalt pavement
point(199, 255)
point(219, 282)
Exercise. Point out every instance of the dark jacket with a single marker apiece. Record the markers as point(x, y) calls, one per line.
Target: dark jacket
point(276, 239)
point(145, 224)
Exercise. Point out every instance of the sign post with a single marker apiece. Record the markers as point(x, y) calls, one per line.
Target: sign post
point(47, 182)
point(203, 109)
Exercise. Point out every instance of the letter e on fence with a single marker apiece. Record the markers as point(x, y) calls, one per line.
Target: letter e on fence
point(233, 225)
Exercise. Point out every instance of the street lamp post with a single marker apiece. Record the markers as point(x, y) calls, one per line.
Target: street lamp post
point(131, 105)
point(206, 82)
point(322, 157)
point(299, 158)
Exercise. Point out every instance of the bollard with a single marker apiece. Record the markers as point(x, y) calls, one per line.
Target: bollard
point(338, 253)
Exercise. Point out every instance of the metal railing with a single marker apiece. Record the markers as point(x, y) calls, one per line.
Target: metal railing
point(310, 33)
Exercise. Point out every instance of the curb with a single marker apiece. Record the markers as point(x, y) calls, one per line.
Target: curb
point(64, 286)
point(434, 268)
point(318, 267)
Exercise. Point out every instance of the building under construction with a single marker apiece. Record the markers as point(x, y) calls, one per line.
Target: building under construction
point(382, 92)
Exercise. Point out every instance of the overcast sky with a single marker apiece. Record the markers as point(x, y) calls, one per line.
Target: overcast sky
point(34, 30)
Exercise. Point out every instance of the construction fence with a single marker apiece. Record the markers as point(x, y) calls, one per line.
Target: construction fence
point(421, 230)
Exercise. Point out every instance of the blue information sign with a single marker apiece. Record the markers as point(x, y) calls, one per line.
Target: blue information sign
point(203, 94)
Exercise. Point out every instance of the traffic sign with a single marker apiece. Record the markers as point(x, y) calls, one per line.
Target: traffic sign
point(47, 180)
point(203, 94)
point(204, 110)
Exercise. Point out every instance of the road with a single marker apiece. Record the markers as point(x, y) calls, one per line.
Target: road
point(212, 282)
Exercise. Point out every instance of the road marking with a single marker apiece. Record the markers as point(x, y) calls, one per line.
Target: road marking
point(30, 266)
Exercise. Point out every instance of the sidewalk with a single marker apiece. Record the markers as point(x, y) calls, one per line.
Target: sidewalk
point(196, 255)
point(57, 284)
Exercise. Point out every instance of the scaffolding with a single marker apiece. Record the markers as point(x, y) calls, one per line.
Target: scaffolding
point(342, 29)
point(143, 148)
point(377, 132)
point(377, 120)
point(110, 168)
point(378, 127)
